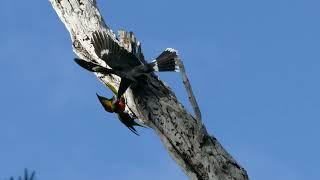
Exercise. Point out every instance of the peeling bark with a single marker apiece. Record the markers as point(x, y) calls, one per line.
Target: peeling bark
point(200, 155)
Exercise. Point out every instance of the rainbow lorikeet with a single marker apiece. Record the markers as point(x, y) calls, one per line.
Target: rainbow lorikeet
point(119, 108)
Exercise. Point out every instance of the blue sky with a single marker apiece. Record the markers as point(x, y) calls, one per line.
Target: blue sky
point(254, 67)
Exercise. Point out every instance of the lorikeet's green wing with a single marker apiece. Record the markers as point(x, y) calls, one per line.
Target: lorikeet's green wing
point(112, 53)
point(115, 92)
point(112, 88)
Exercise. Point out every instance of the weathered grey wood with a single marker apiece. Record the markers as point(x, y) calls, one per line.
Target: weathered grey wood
point(190, 93)
point(200, 155)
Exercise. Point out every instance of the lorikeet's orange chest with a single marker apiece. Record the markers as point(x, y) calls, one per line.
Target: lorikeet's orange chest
point(121, 106)
point(117, 106)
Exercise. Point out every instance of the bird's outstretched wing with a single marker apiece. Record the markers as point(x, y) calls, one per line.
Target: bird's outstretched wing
point(112, 53)
point(94, 67)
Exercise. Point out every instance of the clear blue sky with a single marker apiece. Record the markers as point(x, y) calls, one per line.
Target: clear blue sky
point(254, 66)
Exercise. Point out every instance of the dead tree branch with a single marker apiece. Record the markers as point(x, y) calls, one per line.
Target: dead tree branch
point(191, 96)
point(200, 155)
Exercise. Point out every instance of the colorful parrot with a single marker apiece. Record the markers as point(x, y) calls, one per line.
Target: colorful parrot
point(119, 108)
point(128, 67)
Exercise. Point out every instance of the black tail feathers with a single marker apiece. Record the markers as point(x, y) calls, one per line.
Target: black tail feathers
point(93, 67)
point(167, 61)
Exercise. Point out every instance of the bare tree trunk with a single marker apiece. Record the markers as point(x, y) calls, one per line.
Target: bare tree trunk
point(200, 155)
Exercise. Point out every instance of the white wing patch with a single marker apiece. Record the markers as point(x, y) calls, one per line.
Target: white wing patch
point(155, 67)
point(104, 52)
point(171, 50)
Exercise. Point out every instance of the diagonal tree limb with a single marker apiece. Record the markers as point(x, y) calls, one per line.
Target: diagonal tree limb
point(192, 98)
point(200, 155)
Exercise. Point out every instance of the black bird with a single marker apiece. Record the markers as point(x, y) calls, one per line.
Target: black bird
point(125, 64)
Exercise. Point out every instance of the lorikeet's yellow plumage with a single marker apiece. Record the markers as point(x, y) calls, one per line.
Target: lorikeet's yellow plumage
point(116, 106)
point(107, 104)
